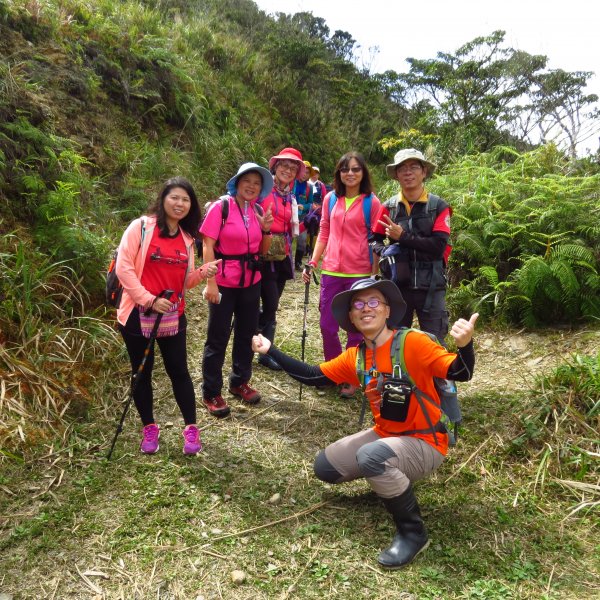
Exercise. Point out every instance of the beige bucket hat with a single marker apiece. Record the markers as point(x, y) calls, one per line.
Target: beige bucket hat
point(408, 154)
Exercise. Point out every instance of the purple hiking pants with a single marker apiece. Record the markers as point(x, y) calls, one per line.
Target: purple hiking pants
point(330, 286)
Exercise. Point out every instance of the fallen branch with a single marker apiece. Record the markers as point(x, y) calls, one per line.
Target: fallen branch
point(252, 416)
point(278, 389)
point(270, 524)
point(88, 582)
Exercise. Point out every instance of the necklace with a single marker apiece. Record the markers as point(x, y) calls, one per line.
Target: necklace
point(245, 215)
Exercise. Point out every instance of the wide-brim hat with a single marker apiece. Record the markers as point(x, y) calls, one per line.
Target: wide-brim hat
point(311, 171)
point(408, 154)
point(289, 154)
point(340, 306)
point(267, 179)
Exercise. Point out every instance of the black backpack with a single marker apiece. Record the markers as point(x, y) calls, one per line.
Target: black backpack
point(114, 289)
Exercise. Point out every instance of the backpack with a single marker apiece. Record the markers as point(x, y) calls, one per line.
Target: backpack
point(114, 289)
point(366, 212)
point(224, 214)
point(317, 192)
point(451, 414)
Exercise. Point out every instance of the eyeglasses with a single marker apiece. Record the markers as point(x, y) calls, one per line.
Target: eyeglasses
point(348, 169)
point(293, 167)
point(372, 303)
point(409, 168)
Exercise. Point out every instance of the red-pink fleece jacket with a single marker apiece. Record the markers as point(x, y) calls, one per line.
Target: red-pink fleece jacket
point(344, 233)
point(130, 265)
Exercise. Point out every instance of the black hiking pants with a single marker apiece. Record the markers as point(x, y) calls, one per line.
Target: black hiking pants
point(174, 354)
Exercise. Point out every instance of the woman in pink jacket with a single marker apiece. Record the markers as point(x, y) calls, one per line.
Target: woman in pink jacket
point(344, 242)
point(156, 253)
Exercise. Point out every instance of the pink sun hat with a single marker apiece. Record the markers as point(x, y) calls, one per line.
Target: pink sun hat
point(289, 154)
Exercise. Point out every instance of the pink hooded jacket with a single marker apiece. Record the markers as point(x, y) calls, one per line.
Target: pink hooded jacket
point(345, 236)
point(130, 263)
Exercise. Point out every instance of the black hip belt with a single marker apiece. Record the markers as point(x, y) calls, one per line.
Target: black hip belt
point(252, 260)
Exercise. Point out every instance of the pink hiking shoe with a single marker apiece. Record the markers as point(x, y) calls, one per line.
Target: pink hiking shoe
point(149, 443)
point(192, 444)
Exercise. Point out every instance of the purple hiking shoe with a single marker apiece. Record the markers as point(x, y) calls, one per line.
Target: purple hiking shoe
point(149, 443)
point(192, 444)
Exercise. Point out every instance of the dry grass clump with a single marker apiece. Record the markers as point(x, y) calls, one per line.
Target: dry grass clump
point(51, 356)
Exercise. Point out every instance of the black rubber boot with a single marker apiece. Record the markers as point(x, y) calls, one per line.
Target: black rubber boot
point(263, 359)
point(411, 535)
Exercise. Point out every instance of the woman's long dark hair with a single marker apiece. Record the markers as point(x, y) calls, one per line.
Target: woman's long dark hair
point(366, 186)
point(190, 222)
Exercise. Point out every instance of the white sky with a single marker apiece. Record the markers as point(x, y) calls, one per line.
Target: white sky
point(567, 32)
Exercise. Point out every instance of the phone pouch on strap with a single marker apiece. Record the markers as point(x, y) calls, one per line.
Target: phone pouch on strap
point(395, 399)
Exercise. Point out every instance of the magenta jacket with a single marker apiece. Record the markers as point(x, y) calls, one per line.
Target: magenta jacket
point(130, 263)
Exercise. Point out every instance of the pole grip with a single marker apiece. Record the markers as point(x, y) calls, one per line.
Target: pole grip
point(163, 294)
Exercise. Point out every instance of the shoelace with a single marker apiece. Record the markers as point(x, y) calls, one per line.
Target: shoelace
point(191, 434)
point(151, 434)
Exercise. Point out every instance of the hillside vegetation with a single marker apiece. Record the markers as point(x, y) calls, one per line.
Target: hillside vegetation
point(100, 102)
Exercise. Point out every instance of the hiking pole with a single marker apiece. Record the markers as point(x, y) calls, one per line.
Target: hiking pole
point(136, 377)
point(306, 291)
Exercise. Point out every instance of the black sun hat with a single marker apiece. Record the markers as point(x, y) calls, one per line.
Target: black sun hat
point(340, 307)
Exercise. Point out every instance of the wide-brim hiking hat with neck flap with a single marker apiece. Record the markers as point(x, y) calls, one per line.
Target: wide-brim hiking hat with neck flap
point(340, 306)
point(408, 154)
point(289, 154)
point(267, 179)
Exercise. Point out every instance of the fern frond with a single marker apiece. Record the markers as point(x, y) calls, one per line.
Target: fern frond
point(575, 254)
point(532, 275)
point(490, 275)
point(472, 246)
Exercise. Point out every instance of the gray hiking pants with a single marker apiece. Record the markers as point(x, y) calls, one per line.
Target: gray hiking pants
point(389, 464)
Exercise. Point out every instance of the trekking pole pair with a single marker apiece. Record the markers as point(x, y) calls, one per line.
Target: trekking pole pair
point(140, 369)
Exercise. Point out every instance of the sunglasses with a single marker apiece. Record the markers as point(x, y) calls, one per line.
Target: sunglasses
point(372, 303)
point(348, 169)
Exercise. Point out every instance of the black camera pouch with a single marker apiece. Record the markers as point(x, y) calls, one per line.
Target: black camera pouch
point(395, 399)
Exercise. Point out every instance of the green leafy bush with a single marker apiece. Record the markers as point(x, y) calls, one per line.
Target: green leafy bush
point(526, 239)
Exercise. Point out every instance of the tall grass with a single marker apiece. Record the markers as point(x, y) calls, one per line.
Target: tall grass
point(51, 359)
point(560, 429)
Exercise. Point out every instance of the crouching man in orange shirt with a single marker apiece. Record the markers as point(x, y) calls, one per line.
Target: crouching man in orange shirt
point(408, 441)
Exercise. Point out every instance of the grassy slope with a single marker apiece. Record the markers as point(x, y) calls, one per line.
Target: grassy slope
point(170, 527)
